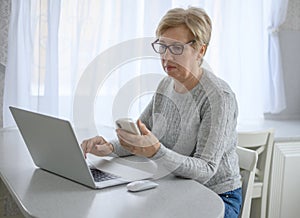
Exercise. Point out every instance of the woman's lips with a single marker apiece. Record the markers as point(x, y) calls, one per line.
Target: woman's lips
point(169, 68)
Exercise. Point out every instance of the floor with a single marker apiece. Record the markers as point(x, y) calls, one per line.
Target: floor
point(8, 208)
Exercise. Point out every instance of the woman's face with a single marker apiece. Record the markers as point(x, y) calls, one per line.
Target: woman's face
point(180, 67)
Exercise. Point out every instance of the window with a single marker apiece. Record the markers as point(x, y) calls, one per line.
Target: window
point(55, 42)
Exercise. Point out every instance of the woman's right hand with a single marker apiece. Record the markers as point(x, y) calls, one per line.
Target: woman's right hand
point(97, 146)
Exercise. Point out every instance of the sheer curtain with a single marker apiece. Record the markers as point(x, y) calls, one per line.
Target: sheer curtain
point(53, 43)
point(275, 16)
point(31, 78)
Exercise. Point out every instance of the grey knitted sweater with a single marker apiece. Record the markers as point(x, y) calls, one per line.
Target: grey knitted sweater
point(197, 132)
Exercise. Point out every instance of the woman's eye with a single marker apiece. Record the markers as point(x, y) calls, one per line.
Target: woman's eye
point(176, 48)
point(162, 48)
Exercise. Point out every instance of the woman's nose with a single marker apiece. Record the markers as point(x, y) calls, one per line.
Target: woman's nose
point(167, 55)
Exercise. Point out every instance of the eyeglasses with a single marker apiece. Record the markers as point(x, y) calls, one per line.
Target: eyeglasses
point(176, 49)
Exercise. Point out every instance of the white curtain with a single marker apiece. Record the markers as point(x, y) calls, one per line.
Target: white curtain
point(31, 78)
point(52, 45)
point(275, 16)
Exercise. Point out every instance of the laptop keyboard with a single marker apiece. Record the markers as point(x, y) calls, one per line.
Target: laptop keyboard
point(102, 176)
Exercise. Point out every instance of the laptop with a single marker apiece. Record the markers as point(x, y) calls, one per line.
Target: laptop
point(53, 147)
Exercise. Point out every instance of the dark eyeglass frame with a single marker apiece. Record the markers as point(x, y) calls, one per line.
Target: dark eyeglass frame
point(165, 47)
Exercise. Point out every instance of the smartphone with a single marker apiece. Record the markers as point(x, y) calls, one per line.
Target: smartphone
point(128, 125)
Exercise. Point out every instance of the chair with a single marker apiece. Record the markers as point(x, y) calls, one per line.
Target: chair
point(262, 142)
point(247, 162)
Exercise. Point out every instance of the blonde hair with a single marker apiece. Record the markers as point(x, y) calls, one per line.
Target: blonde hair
point(195, 19)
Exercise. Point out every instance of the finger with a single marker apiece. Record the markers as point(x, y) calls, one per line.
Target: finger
point(97, 140)
point(143, 127)
point(150, 140)
point(102, 149)
point(127, 137)
point(89, 145)
point(127, 146)
point(84, 144)
point(83, 147)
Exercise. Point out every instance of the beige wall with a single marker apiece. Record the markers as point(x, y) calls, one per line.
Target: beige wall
point(292, 21)
point(4, 23)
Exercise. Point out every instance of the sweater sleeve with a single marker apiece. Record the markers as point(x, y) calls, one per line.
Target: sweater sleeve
point(118, 149)
point(216, 125)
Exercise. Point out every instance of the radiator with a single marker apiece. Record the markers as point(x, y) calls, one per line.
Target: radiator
point(284, 192)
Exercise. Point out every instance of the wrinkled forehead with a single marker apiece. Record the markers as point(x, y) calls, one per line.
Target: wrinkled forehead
point(167, 40)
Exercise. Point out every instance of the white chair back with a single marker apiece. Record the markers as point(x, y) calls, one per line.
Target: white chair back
point(247, 162)
point(262, 142)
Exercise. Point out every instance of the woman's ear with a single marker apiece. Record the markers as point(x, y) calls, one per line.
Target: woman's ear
point(203, 50)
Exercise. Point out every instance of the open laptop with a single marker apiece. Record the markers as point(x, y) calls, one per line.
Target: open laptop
point(53, 147)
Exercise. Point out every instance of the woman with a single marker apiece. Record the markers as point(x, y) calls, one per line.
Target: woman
point(189, 127)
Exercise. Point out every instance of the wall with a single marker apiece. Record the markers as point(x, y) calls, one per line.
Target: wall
point(289, 38)
point(8, 208)
point(4, 23)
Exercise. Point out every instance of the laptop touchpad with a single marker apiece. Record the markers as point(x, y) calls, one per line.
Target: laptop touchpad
point(131, 168)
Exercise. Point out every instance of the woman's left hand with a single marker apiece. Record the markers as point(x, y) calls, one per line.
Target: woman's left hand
point(143, 145)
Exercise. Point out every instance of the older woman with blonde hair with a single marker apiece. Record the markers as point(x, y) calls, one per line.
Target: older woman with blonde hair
point(189, 127)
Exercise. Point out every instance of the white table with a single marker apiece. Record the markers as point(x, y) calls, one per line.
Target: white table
point(42, 194)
